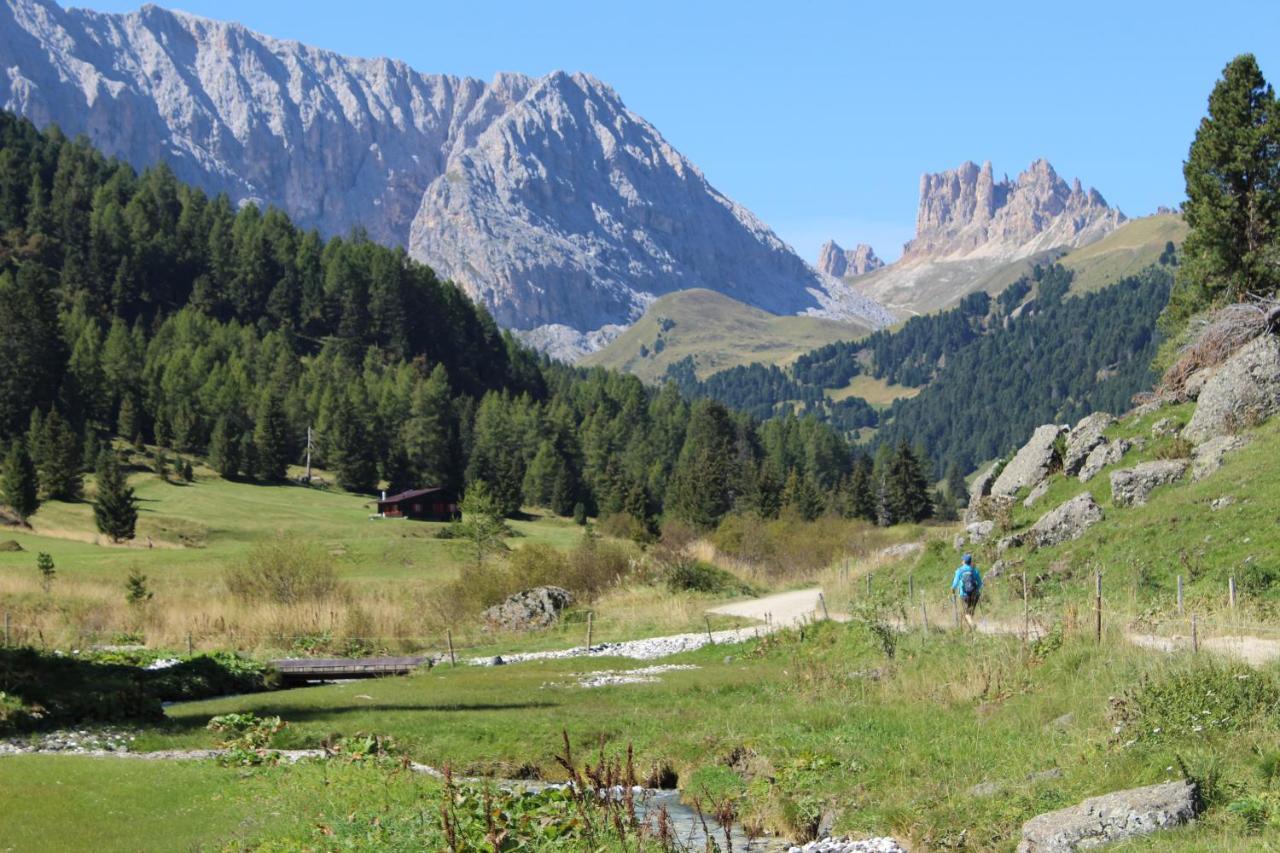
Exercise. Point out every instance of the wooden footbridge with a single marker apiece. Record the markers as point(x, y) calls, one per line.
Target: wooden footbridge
point(302, 670)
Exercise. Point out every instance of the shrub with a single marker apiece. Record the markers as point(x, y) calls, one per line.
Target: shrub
point(623, 525)
point(1191, 701)
point(284, 571)
point(697, 576)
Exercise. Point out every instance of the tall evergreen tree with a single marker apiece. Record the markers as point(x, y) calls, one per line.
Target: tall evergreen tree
point(58, 458)
point(115, 509)
point(350, 454)
point(271, 438)
point(701, 485)
point(21, 487)
point(907, 490)
point(1233, 193)
point(224, 448)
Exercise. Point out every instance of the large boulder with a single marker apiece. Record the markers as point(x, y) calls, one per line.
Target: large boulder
point(533, 608)
point(980, 489)
point(1107, 453)
point(1208, 457)
point(1081, 441)
point(1242, 392)
point(980, 531)
point(1069, 521)
point(1111, 818)
point(1031, 464)
point(1132, 486)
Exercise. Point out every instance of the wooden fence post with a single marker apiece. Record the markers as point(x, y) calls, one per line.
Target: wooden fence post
point(1179, 595)
point(1195, 635)
point(924, 613)
point(1231, 592)
point(710, 639)
point(1026, 611)
point(453, 661)
point(1097, 604)
point(823, 601)
point(590, 626)
point(190, 645)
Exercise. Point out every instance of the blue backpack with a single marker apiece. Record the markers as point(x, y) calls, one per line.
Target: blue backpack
point(968, 582)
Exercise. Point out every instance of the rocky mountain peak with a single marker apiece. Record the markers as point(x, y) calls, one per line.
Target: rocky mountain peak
point(965, 212)
point(842, 263)
point(546, 198)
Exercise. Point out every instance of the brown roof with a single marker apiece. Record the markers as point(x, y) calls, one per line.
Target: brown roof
point(409, 495)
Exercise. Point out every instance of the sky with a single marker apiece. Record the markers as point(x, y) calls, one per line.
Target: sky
point(821, 116)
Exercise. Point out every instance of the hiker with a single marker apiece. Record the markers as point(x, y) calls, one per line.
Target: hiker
point(968, 585)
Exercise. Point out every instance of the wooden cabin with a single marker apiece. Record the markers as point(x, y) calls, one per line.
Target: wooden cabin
point(432, 504)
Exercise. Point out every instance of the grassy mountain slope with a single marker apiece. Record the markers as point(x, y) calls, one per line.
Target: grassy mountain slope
point(718, 332)
point(930, 286)
point(1131, 247)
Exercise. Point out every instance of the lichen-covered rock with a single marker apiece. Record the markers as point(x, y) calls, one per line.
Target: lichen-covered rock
point(1208, 457)
point(533, 608)
point(1107, 453)
point(1037, 492)
point(1013, 540)
point(980, 489)
point(1031, 464)
point(1243, 391)
point(979, 530)
point(1111, 818)
point(1083, 438)
point(1132, 486)
point(1066, 522)
point(1164, 427)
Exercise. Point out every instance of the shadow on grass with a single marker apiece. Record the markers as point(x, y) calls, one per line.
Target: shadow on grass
point(295, 714)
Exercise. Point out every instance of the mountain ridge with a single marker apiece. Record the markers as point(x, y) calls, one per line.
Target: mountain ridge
point(546, 198)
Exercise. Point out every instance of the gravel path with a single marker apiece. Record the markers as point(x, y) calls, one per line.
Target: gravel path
point(784, 610)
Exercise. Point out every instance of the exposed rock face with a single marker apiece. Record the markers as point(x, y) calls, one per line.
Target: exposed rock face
point(546, 198)
point(1111, 818)
point(534, 608)
point(1037, 492)
point(1242, 392)
point(1081, 441)
point(1132, 486)
point(980, 531)
point(839, 262)
point(980, 489)
point(1208, 457)
point(1107, 453)
point(1031, 464)
point(1067, 522)
point(965, 212)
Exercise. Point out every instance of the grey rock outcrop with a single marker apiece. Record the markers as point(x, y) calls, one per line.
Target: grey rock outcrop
point(980, 531)
point(965, 212)
point(533, 608)
point(1066, 522)
point(1037, 492)
point(546, 198)
point(1164, 427)
point(1133, 486)
point(1209, 456)
point(980, 489)
point(1031, 464)
point(1107, 453)
point(1111, 818)
point(1083, 438)
point(838, 262)
point(1243, 391)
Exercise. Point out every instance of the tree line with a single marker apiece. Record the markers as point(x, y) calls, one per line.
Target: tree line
point(135, 307)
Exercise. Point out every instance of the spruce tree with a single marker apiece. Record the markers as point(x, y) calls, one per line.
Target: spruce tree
point(224, 448)
point(59, 459)
point(115, 508)
point(1233, 194)
point(956, 486)
point(271, 438)
point(907, 489)
point(21, 487)
point(350, 454)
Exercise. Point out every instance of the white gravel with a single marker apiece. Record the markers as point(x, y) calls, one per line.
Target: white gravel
point(644, 675)
point(650, 649)
point(846, 845)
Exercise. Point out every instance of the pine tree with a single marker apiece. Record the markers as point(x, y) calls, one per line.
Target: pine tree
point(481, 523)
point(115, 508)
point(907, 489)
point(427, 435)
point(224, 448)
point(1233, 193)
point(956, 486)
point(271, 438)
point(59, 459)
point(701, 485)
point(20, 482)
point(44, 565)
point(350, 453)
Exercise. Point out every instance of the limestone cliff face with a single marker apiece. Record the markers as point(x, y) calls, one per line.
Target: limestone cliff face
point(966, 213)
point(546, 198)
point(839, 262)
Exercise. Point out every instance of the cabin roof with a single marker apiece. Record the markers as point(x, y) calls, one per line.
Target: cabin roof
point(411, 494)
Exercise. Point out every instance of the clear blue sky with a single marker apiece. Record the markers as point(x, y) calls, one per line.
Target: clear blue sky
point(820, 116)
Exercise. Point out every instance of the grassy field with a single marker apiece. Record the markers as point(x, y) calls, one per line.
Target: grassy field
point(718, 332)
point(877, 392)
point(1126, 251)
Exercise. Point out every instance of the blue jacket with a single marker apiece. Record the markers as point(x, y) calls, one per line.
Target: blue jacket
point(958, 585)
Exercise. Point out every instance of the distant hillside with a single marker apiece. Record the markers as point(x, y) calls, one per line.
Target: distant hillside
point(1133, 246)
point(718, 333)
